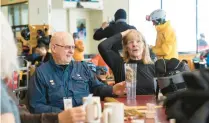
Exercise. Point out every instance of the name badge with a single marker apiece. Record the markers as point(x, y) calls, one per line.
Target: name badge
point(67, 103)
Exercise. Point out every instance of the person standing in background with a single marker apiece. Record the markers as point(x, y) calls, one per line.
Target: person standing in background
point(79, 48)
point(166, 43)
point(108, 30)
point(202, 44)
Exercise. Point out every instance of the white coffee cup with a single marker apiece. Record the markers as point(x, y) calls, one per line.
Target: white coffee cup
point(93, 110)
point(113, 112)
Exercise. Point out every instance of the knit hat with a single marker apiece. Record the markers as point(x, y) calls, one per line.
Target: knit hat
point(120, 14)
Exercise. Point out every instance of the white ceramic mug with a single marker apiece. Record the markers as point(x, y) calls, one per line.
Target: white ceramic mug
point(113, 112)
point(93, 110)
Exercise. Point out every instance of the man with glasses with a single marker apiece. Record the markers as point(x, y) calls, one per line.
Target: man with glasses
point(61, 77)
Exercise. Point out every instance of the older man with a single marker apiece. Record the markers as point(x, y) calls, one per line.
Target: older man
point(61, 77)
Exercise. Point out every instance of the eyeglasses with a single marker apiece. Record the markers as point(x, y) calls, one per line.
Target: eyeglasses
point(67, 47)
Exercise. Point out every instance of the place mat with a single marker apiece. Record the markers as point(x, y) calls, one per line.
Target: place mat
point(133, 112)
point(111, 99)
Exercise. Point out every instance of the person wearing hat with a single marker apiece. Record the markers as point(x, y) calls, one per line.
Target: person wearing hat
point(166, 42)
point(108, 30)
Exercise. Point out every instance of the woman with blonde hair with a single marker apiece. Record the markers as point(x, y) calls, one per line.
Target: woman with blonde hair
point(135, 50)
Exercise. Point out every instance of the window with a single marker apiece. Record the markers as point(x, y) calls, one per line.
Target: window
point(138, 9)
point(182, 15)
point(15, 11)
point(24, 14)
point(17, 14)
point(203, 23)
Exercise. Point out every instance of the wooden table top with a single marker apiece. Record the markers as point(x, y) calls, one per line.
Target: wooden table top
point(142, 100)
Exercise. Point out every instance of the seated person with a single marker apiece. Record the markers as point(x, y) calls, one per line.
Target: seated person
point(43, 50)
point(43, 43)
point(135, 50)
point(204, 56)
point(100, 63)
point(40, 55)
point(9, 110)
point(61, 77)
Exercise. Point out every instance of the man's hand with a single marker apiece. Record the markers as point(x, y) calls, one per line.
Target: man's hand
point(104, 25)
point(73, 115)
point(124, 33)
point(7, 118)
point(119, 88)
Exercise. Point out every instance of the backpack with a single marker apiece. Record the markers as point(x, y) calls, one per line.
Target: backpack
point(169, 75)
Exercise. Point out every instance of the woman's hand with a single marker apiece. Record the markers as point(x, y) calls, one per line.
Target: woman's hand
point(73, 115)
point(124, 33)
point(119, 88)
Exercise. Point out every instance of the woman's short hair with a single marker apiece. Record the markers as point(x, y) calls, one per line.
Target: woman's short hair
point(8, 49)
point(133, 35)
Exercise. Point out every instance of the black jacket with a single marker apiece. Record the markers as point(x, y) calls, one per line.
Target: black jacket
point(111, 30)
point(191, 105)
point(145, 72)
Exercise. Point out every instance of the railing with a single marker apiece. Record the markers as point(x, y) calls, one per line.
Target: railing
point(23, 70)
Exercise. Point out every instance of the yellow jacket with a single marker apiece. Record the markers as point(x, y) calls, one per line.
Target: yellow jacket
point(79, 51)
point(166, 44)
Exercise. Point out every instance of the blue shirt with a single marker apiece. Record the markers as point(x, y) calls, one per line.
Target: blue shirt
point(51, 83)
point(7, 104)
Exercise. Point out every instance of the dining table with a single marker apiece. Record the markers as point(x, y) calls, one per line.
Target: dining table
point(142, 100)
